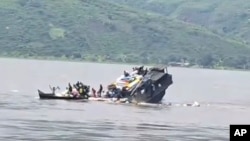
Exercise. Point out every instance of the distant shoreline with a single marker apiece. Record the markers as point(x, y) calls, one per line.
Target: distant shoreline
point(116, 63)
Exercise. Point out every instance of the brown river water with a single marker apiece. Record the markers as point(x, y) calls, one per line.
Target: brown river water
point(223, 96)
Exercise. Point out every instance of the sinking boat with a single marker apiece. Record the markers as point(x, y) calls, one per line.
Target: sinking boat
point(143, 85)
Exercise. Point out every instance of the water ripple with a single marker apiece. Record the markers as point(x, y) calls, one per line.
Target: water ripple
point(34, 119)
point(101, 130)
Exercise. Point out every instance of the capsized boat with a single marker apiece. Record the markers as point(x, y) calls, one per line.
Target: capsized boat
point(142, 85)
point(152, 88)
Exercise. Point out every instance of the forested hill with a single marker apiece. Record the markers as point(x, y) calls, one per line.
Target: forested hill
point(107, 30)
point(230, 18)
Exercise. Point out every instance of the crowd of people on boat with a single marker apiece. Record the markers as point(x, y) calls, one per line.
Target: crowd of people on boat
point(78, 89)
point(139, 84)
point(114, 91)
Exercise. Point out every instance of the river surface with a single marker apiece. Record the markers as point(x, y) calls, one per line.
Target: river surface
point(224, 99)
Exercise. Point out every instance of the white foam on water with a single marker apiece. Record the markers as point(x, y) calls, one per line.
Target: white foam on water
point(15, 91)
point(149, 104)
point(194, 104)
point(97, 99)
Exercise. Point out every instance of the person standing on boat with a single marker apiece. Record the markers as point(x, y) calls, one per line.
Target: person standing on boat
point(87, 91)
point(70, 88)
point(78, 84)
point(126, 74)
point(117, 94)
point(75, 93)
point(53, 89)
point(75, 86)
point(93, 92)
point(99, 93)
point(80, 90)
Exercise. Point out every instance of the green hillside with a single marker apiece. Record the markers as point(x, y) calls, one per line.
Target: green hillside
point(97, 30)
point(226, 17)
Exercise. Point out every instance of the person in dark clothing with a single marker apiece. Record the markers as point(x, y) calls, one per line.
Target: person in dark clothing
point(93, 92)
point(78, 83)
point(145, 71)
point(99, 93)
point(124, 91)
point(84, 90)
point(126, 74)
point(74, 86)
point(70, 88)
point(88, 89)
point(117, 94)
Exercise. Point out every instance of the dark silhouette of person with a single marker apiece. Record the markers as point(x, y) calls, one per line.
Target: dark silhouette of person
point(77, 83)
point(126, 74)
point(70, 88)
point(87, 89)
point(145, 72)
point(100, 91)
point(94, 92)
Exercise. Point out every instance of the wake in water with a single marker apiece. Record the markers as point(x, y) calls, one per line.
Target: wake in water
point(220, 105)
point(194, 104)
point(143, 104)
